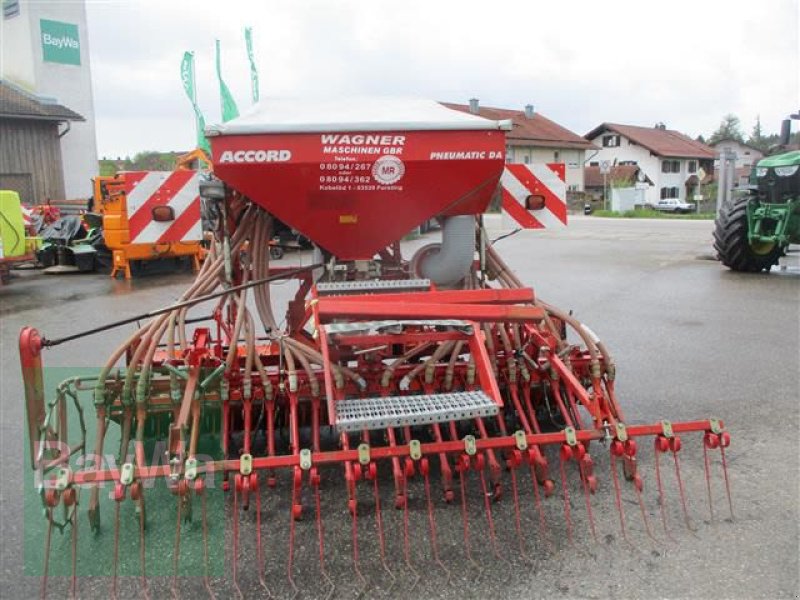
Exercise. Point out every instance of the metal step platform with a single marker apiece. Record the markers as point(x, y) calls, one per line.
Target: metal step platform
point(372, 286)
point(359, 414)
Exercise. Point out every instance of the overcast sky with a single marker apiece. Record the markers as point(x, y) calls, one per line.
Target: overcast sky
point(686, 63)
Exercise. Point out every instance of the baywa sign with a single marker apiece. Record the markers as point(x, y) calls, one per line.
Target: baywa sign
point(60, 42)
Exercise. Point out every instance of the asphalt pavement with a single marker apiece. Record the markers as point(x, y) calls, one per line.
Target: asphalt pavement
point(691, 340)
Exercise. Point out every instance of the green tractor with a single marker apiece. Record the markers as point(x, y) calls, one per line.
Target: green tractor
point(753, 230)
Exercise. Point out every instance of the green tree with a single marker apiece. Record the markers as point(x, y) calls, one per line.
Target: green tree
point(730, 128)
point(757, 138)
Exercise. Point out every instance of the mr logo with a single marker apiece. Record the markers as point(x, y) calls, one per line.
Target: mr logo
point(388, 170)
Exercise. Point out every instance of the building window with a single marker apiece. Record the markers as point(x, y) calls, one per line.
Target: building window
point(10, 8)
point(594, 163)
point(526, 159)
point(669, 192)
point(692, 166)
point(610, 141)
point(623, 163)
point(556, 156)
point(670, 166)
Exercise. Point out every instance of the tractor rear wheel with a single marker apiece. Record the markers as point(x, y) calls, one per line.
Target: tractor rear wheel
point(732, 244)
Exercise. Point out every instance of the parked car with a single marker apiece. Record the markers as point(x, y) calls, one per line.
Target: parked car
point(674, 206)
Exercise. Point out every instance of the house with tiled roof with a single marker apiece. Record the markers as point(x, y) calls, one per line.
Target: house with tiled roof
point(536, 139)
point(31, 129)
point(674, 162)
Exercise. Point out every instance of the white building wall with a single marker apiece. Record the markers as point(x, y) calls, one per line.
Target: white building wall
point(746, 157)
point(571, 158)
point(649, 164)
point(70, 85)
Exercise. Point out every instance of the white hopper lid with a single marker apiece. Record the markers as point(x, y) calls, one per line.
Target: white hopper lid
point(304, 115)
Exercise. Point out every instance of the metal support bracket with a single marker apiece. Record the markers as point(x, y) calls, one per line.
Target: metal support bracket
point(415, 449)
point(190, 470)
point(305, 459)
point(715, 426)
point(569, 434)
point(246, 464)
point(63, 479)
point(363, 454)
point(666, 429)
point(469, 445)
point(521, 439)
point(622, 432)
point(126, 474)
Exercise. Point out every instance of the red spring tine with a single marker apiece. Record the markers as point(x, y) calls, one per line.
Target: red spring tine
point(638, 486)
point(661, 499)
point(290, 562)
point(235, 540)
point(406, 537)
point(707, 472)
point(356, 567)
point(676, 446)
point(74, 520)
point(200, 489)
point(321, 533)
point(256, 488)
point(487, 504)
point(176, 552)
point(142, 560)
point(517, 522)
point(465, 520)
point(567, 514)
point(116, 550)
point(587, 494)
point(381, 537)
point(617, 491)
point(539, 508)
point(46, 566)
point(424, 468)
point(725, 440)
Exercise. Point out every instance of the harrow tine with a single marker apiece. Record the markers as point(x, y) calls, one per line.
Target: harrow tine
point(488, 507)
point(424, 468)
point(176, 552)
point(618, 498)
point(235, 540)
point(406, 540)
point(537, 498)
point(461, 466)
point(74, 525)
point(567, 513)
point(465, 520)
point(206, 580)
point(684, 506)
point(381, 538)
point(517, 520)
point(587, 495)
point(724, 442)
point(356, 566)
point(661, 498)
point(47, 539)
point(115, 564)
point(145, 590)
point(259, 548)
point(707, 472)
point(290, 562)
point(321, 535)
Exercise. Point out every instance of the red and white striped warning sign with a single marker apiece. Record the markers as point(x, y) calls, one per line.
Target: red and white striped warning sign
point(519, 182)
point(146, 190)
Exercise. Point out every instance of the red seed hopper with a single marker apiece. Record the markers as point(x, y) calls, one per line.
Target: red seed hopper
point(387, 380)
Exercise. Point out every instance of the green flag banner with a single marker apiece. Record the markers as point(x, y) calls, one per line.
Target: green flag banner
point(187, 77)
point(228, 104)
point(248, 40)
